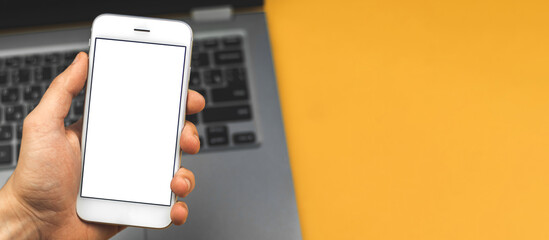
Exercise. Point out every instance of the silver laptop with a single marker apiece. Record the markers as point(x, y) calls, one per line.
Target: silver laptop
point(244, 183)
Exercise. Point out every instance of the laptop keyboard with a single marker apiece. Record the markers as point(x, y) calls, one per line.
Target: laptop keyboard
point(218, 73)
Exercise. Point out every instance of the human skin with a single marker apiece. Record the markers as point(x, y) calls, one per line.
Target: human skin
point(39, 199)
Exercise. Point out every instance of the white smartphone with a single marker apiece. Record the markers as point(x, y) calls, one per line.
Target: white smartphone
point(133, 116)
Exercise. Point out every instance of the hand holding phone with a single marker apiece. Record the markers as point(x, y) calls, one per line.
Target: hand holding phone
point(39, 199)
point(133, 115)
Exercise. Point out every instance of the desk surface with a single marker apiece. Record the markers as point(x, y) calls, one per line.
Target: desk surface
point(416, 119)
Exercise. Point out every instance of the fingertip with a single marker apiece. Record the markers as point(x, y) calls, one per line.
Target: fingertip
point(190, 142)
point(179, 213)
point(195, 102)
point(179, 186)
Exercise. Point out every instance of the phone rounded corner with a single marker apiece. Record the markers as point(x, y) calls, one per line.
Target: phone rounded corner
point(79, 210)
point(164, 225)
point(187, 28)
point(100, 18)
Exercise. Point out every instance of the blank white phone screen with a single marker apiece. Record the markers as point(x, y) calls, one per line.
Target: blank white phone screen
point(133, 120)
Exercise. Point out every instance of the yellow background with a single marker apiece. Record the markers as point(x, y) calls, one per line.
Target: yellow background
point(416, 119)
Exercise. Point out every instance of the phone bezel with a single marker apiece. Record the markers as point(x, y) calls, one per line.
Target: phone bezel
point(161, 31)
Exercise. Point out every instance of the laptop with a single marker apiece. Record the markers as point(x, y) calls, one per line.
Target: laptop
point(244, 182)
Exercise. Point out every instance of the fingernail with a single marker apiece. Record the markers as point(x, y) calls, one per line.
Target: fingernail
point(188, 184)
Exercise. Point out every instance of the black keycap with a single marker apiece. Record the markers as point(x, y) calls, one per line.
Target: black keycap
point(10, 95)
point(5, 154)
point(32, 60)
point(14, 76)
point(244, 137)
point(13, 62)
point(32, 93)
point(232, 41)
point(78, 107)
point(19, 131)
point(213, 77)
point(6, 132)
point(215, 114)
point(24, 75)
point(46, 74)
point(14, 113)
point(194, 80)
point(229, 94)
point(200, 59)
point(193, 118)
point(228, 57)
point(3, 77)
point(52, 58)
point(217, 135)
point(209, 43)
point(235, 76)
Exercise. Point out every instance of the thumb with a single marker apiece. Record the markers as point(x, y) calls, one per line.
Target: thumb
point(56, 102)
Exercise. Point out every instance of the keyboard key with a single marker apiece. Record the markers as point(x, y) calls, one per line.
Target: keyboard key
point(200, 59)
point(24, 76)
point(78, 107)
point(46, 74)
point(52, 58)
point(14, 113)
point(32, 93)
point(192, 118)
point(229, 94)
point(235, 76)
point(5, 154)
point(228, 57)
point(244, 137)
point(194, 80)
point(3, 77)
point(6, 132)
point(209, 43)
point(9, 95)
point(19, 131)
point(13, 62)
point(215, 114)
point(32, 60)
point(213, 77)
point(217, 135)
point(232, 41)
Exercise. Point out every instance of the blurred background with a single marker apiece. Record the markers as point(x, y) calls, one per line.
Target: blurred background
point(416, 119)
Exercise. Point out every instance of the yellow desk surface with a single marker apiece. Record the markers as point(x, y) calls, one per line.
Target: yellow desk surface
point(416, 119)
